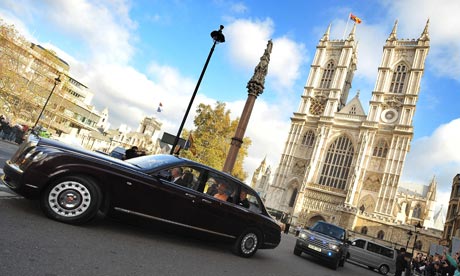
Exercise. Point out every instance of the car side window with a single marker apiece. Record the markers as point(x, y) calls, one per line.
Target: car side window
point(360, 243)
point(184, 176)
point(219, 187)
point(372, 247)
point(254, 203)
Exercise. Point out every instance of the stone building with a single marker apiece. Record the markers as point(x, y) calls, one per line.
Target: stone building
point(452, 224)
point(28, 74)
point(342, 165)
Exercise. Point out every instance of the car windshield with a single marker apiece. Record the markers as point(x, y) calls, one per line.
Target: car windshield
point(329, 230)
point(150, 162)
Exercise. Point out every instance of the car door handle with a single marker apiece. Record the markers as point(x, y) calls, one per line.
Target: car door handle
point(206, 201)
point(190, 195)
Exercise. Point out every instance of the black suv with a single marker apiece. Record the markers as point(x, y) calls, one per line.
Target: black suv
point(325, 241)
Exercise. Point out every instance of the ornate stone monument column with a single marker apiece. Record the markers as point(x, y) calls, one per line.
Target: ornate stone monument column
point(255, 88)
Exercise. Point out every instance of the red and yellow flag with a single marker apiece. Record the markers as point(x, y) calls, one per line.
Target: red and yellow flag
point(355, 18)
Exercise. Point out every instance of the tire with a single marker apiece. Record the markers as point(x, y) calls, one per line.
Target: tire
point(335, 263)
point(342, 262)
point(297, 251)
point(71, 199)
point(384, 269)
point(247, 243)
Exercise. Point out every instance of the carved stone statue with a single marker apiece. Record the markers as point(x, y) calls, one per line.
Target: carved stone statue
point(256, 84)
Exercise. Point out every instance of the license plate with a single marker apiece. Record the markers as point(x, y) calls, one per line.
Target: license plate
point(314, 248)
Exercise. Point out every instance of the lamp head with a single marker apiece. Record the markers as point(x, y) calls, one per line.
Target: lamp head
point(218, 36)
point(58, 79)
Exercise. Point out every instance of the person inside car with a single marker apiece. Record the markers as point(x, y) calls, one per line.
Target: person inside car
point(212, 186)
point(243, 200)
point(222, 191)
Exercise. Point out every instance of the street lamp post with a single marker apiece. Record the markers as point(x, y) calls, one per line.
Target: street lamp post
point(56, 81)
point(418, 225)
point(217, 37)
point(409, 235)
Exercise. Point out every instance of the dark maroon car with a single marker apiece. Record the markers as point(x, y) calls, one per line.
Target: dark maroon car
point(73, 185)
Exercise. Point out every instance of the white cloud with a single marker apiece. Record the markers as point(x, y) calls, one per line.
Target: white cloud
point(436, 155)
point(444, 35)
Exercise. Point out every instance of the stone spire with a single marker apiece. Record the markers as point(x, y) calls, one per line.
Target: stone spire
point(432, 190)
point(326, 34)
point(351, 36)
point(425, 36)
point(256, 84)
point(392, 36)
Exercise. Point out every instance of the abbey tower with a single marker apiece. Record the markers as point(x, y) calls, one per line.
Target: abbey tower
point(339, 162)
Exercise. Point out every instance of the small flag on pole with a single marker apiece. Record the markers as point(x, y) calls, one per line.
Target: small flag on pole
point(189, 145)
point(160, 107)
point(355, 18)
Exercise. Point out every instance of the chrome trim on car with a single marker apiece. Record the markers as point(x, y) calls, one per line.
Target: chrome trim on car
point(32, 186)
point(14, 166)
point(171, 222)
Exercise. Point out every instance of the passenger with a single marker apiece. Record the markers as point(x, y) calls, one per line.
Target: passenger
point(212, 186)
point(176, 176)
point(243, 200)
point(222, 191)
point(187, 179)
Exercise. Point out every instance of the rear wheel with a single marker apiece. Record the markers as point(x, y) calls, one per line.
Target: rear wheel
point(71, 199)
point(247, 243)
point(384, 269)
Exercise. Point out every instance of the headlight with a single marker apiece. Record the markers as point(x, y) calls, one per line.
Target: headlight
point(333, 247)
point(303, 236)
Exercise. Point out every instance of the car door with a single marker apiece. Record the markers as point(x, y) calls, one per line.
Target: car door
point(156, 198)
point(215, 215)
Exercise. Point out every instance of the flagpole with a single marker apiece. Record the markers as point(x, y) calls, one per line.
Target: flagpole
point(346, 26)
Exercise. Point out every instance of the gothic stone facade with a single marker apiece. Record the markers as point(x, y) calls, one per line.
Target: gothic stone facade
point(340, 163)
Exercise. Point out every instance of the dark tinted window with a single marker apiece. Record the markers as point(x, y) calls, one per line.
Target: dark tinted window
point(384, 251)
point(329, 229)
point(360, 243)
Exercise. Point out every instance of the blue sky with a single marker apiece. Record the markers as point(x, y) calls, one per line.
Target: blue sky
point(135, 54)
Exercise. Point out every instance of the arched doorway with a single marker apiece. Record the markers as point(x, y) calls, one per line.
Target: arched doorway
point(315, 219)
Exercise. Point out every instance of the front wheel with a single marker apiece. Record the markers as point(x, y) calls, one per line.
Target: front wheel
point(247, 243)
point(297, 251)
point(71, 199)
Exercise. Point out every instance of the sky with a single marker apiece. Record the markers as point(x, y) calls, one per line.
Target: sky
point(134, 54)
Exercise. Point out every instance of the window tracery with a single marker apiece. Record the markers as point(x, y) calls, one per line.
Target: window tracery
point(337, 163)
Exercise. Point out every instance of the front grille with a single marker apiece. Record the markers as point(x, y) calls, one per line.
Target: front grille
point(317, 242)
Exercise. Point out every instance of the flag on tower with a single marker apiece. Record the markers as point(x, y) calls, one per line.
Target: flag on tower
point(160, 107)
point(355, 18)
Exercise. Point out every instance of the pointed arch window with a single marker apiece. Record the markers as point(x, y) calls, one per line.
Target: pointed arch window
point(380, 235)
point(381, 149)
point(417, 211)
point(399, 78)
point(364, 230)
point(328, 73)
point(293, 196)
point(308, 138)
point(337, 163)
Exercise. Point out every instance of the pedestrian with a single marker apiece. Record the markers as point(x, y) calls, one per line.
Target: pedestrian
point(401, 263)
point(132, 152)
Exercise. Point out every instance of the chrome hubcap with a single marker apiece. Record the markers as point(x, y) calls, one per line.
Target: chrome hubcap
point(249, 243)
point(69, 199)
